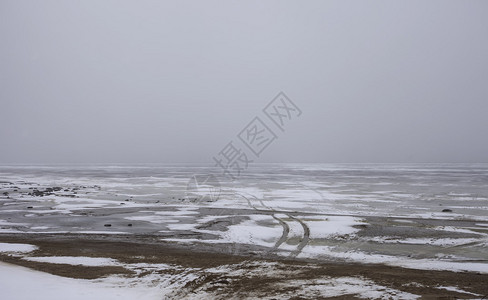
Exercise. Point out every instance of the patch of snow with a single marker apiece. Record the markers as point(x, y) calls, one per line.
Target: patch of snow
point(425, 241)
point(75, 260)
point(400, 261)
point(249, 232)
point(16, 248)
point(458, 290)
point(179, 212)
point(151, 219)
point(180, 226)
point(102, 232)
point(18, 283)
point(325, 227)
point(342, 286)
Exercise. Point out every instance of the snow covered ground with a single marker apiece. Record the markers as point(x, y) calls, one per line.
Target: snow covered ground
point(22, 283)
point(19, 283)
point(432, 217)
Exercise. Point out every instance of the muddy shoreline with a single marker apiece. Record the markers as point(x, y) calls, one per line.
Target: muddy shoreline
point(149, 249)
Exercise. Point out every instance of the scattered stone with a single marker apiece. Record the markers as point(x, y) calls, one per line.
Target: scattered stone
point(130, 225)
point(37, 193)
point(5, 193)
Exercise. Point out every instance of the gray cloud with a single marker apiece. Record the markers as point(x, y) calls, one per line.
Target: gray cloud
point(174, 81)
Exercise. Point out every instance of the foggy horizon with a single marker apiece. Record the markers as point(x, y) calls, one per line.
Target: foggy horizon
point(174, 82)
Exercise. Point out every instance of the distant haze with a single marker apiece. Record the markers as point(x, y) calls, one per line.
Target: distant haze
point(175, 81)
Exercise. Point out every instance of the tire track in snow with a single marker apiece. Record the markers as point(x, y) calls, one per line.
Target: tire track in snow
point(284, 223)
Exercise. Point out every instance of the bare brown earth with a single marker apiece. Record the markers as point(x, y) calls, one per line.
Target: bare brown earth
point(148, 249)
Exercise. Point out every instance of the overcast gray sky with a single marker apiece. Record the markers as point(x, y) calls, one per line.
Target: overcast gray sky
point(175, 81)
